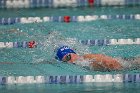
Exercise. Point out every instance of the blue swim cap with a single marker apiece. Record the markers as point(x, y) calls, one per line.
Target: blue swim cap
point(62, 51)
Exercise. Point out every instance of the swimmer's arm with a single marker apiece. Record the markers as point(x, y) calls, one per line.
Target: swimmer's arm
point(103, 61)
point(100, 58)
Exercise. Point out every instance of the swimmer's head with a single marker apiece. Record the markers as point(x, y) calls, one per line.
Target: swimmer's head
point(63, 51)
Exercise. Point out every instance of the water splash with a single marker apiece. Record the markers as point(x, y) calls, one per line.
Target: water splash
point(55, 39)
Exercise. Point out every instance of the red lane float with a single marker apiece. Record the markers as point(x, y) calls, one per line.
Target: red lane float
point(91, 2)
point(32, 44)
point(67, 19)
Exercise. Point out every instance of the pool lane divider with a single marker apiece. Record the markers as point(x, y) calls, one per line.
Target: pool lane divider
point(70, 79)
point(64, 3)
point(105, 42)
point(24, 44)
point(97, 42)
point(67, 19)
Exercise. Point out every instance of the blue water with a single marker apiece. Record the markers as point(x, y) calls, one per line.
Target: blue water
point(73, 88)
point(100, 29)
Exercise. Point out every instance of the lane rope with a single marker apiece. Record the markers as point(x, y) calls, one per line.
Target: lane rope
point(70, 79)
point(67, 19)
point(65, 3)
point(97, 42)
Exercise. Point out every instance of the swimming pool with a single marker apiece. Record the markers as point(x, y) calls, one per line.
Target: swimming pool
point(19, 60)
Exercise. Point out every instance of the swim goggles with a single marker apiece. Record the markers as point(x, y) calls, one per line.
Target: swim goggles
point(67, 58)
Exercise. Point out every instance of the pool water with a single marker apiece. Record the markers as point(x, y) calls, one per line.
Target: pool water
point(99, 29)
point(73, 88)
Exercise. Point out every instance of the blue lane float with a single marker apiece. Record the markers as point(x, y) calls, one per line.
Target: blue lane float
point(20, 44)
point(2, 80)
point(81, 2)
point(132, 2)
point(131, 78)
point(2, 3)
point(34, 3)
point(41, 3)
point(56, 19)
point(97, 2)
point(64, 79)
point(9, 21)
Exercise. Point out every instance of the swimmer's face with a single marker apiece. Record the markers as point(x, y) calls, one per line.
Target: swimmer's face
point(70, 57)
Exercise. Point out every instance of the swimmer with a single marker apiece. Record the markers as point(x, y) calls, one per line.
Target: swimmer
point(98, 62)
